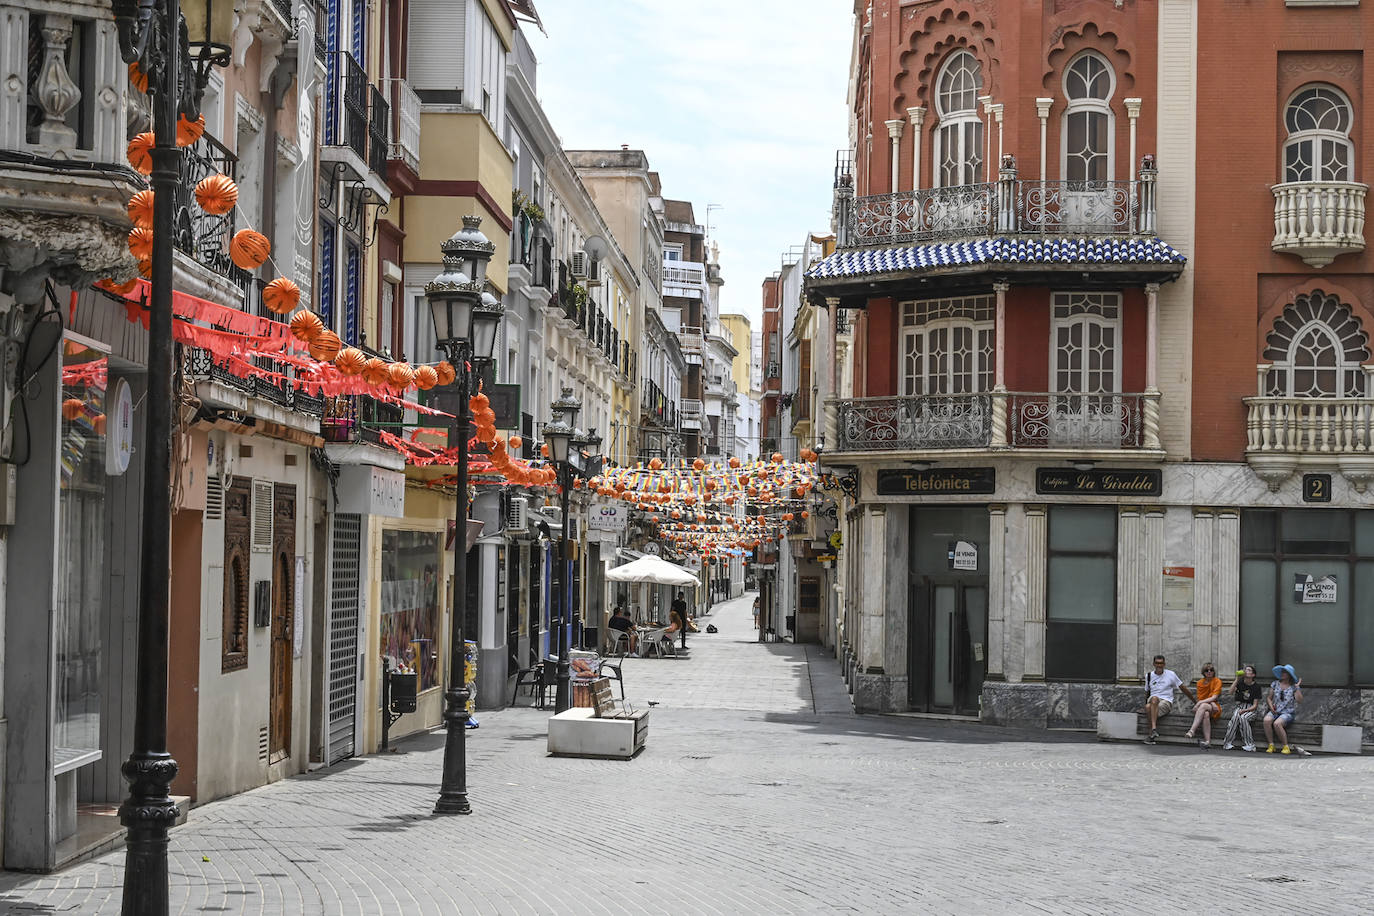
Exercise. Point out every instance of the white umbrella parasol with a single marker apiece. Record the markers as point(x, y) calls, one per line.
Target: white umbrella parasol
point(652, 569)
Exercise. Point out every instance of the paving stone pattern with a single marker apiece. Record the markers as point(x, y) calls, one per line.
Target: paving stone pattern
point(760, 792)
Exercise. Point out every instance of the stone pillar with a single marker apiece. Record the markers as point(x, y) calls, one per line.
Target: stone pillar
point(1036, 546)
point(1152, 594)
point(997, 116)
point(988, 161)
point(917, 117)
point(874, 607)
point(999, 386)
point(1132, 112)
point(1226, 595)
point(1204, 528)
point(1042, 109)
point(1150, 405)
point(1129, 569)
point(894, 132)
point(997, 600)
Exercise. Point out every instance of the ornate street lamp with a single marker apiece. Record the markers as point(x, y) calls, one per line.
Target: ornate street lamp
point(466, 330)
point(151, 34)
point(559, 434)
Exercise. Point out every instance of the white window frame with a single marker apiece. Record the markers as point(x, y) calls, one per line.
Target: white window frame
point(954, 122)
point(1317, 137)
point(1077, 298)
point(948, 319)
point(1090, 105)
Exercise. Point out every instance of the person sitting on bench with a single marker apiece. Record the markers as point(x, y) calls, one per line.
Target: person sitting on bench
point(1160, 685)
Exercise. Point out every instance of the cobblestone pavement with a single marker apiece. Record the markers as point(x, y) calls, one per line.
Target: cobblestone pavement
point(760, 793)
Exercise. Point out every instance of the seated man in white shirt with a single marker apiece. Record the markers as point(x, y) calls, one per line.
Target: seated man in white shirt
point(1160, 685)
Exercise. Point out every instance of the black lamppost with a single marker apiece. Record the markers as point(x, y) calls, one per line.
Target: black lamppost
point(176, 53)
point(559, 434)
point(465, 325)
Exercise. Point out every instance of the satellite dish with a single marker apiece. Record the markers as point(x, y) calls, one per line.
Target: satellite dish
point(596, 247)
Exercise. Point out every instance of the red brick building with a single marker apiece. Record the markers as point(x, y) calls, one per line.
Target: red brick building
point(1110, 306)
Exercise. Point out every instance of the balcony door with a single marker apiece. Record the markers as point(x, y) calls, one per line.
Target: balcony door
point(947, 360)
point(1086, 409)
point(1089, 203)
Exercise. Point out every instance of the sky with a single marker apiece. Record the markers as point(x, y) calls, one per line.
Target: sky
point(739, 103)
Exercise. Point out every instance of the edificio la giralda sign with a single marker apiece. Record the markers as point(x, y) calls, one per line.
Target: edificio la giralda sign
point(950, 481)
point(1100, 481)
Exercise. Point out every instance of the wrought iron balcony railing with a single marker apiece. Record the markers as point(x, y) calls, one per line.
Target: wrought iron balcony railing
point(359, 418)
point(405, 125)
point(205, 236)
point(378, 128)
point(999, 420)
point(1008, 206)
point(345, 109)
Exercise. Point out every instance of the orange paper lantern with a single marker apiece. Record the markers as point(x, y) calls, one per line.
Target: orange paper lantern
point(138, 77)
point(98, 421)
point(400, 376)
point(446, 373)
point(325, 346)
point(73, 408)
point(141, 243)
point(249, 248)
point(281, 296)
point(777, 458)
point(140, 153)
point(734, 462)
point(140, 209)
point(145, 268)
point(698, 464)
point(374, 371)
point(217, 194)
point(306, 326)
point(189, 132)
point(350, 361)
point(122, 289)
point(655, 464)
point(425, 377)
point(516, 442)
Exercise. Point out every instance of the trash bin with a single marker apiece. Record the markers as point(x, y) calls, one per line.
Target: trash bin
point(791, 623)
point(403, 690)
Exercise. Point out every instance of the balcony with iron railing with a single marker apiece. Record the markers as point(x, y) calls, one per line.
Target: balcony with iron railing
point(1008, 206)
point(998, 420)
point(691, 341)
point(405, 125)
point(357, 125)
point(359, 418)
point(1319, 220)
point(691, 414)
point(1284, 433)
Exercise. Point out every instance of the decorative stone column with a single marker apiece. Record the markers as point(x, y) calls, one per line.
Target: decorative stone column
point(54, 90)
point(894, 132)
point(1204, 572)
point(999, 387)
point(1133, 113)
point(1226, 596)
point(1036, 552)
point(988, 161)
point(1042, 110)
point(997, 599)
point(917, 117)
point(1152, 590)
point(874, 608)
point(1129, 574)
point(997, 116)
point(1150, 407)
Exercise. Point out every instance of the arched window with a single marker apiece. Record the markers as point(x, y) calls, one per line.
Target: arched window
point(959, 137)
point(1317, 349)
point(947, 346)
point(1088, 123)
point(1318, 147)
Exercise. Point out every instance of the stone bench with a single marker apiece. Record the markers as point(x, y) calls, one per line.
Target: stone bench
point(603, 730)
point(1310, 736)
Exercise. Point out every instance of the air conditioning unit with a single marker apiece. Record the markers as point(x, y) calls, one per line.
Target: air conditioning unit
point(579, 264)
point(517, 515)
point(554, 516)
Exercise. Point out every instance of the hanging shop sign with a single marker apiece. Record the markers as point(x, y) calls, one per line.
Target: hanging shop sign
point(119, 429)
point(607, 517)
point(943, 481)
point(369, 490)
point(1308, 589)
point(1100, 481)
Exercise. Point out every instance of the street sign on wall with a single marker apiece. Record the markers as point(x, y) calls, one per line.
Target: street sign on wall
point(607, 517)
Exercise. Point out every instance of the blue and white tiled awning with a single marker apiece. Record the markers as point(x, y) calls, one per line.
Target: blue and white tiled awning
point(996, 251)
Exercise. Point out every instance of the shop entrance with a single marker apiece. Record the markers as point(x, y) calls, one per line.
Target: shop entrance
point(947, 604)
point(283, 617)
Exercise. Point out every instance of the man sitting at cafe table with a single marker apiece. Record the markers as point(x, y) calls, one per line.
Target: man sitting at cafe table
point(620, 622)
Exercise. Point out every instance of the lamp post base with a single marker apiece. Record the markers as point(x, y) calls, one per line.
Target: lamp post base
point(149, 813)
point(453, 792)
point(562, 698)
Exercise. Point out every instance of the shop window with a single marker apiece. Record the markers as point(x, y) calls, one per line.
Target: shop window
point(1307, 593)
point(959, 136)
point(411, 561)
point(1080, 599)
point(1318, 146)
point(947, 346)
point(1088, 122)
point(1317, 349)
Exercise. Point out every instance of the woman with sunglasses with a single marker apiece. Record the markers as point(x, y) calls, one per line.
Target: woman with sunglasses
point(1247, 693)
point(1285, 693)
point(1208, 705)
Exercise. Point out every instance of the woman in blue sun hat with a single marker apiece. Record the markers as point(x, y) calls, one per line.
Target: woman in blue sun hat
point(1285, 693)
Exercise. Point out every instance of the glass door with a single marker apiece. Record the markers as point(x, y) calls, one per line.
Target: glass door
point(947, 609)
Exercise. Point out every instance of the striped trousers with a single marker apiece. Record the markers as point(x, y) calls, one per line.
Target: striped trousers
point(1240, 722)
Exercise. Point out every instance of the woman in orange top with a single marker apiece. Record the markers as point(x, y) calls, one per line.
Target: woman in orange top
point(1208, 705)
